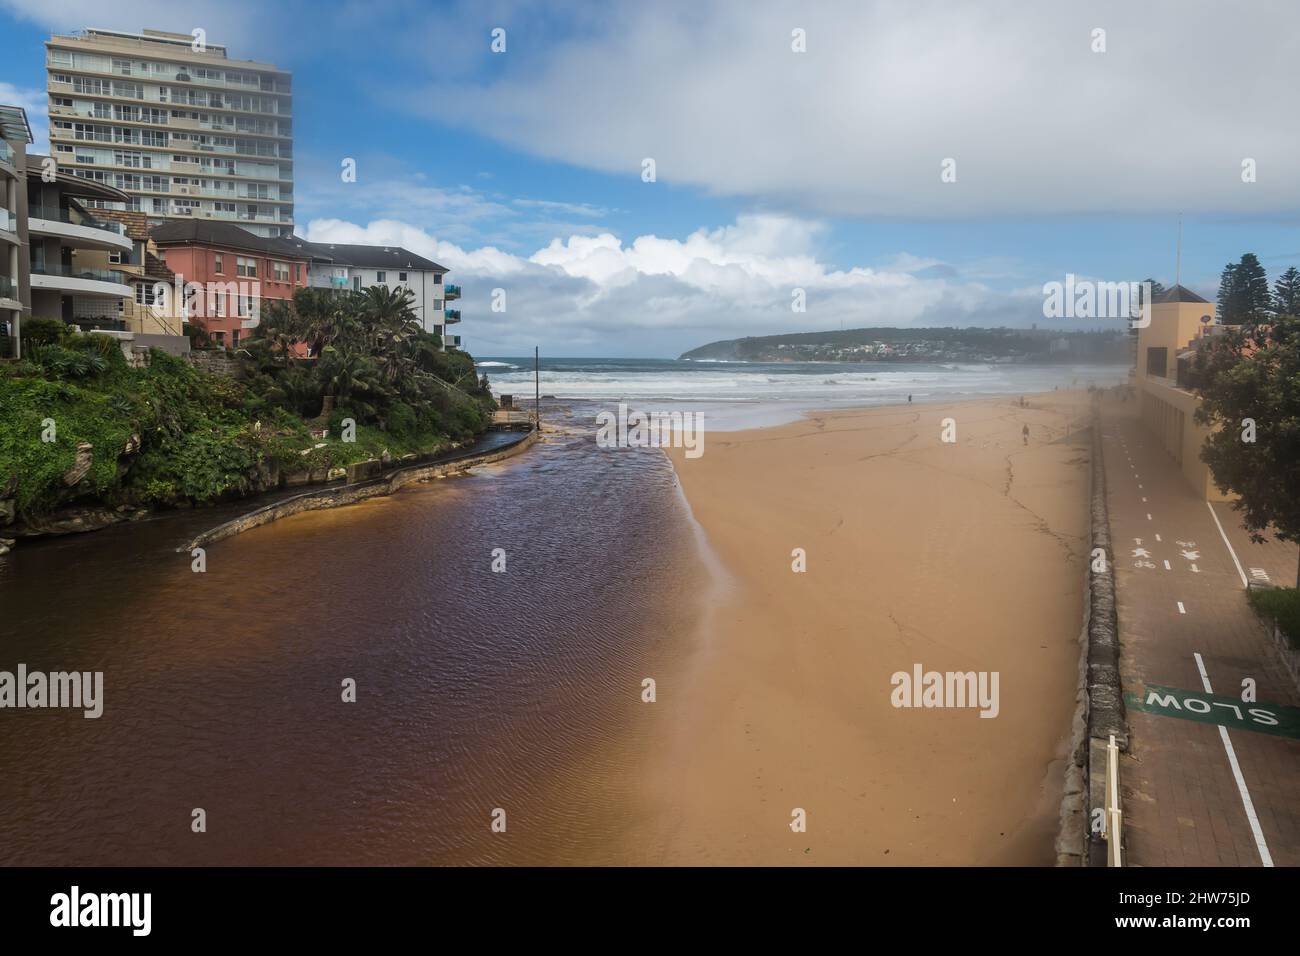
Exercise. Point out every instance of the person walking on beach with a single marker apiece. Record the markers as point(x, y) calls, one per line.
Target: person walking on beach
point(1024, 433)
point(909, 399)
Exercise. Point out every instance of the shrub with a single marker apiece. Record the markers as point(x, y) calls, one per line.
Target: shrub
point(37, 331)
point(1281, 605)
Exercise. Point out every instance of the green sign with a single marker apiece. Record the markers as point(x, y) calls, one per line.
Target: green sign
point(1230, 712)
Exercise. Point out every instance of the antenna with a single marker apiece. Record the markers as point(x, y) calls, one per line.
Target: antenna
point(1178, 267)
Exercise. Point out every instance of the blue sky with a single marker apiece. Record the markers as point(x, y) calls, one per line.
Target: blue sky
point(776, 169)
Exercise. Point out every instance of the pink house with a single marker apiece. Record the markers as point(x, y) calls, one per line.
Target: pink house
point(235, 268)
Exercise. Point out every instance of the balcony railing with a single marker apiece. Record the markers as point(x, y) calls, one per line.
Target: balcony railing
point(102, 324)
point(8, 288)
point(8, 221)
point(452, 315)
point(75, 272)
point(6, 153)
point(451, 291)
point(65, 215)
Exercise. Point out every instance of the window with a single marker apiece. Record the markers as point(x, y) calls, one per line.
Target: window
point(219, 264)
point(356, 283)
point(297, 272)
point(115, 258)
point(401, 277)
point(381, 276)
point(144, 294)
point(281, 271)
point(246, 267)
point(1158, 362)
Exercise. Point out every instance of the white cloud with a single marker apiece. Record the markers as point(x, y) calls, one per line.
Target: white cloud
point(859, 124)
point(662, 296)
point(254, 29)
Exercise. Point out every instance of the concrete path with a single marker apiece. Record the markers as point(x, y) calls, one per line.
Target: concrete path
point(1195, 792)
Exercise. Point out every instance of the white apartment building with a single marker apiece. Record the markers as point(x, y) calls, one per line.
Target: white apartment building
point(356, 267)
point(187, 135)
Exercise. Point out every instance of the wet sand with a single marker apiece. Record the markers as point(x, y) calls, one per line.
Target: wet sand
point(964, 556)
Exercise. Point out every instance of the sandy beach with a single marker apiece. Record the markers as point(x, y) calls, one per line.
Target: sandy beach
point(955, 556)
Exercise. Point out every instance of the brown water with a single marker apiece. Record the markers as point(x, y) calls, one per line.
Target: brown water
point(475, 690)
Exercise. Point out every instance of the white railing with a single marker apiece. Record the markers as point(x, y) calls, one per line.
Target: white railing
point(1113, 828)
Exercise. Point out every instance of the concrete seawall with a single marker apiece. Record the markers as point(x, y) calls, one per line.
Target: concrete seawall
point(1100, 712)
point(1100, 699)
point(349, 494)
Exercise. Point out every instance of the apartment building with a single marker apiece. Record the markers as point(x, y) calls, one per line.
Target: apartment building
point(150, 317)
point(187, 135)
point(238, 272)
point(357, 267)
point(71, 276)
point(15, 288)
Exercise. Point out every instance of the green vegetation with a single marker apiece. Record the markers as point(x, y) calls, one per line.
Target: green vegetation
point(1244, 298)
point(1249, 382)
point(1281, 605)
point(171, 434)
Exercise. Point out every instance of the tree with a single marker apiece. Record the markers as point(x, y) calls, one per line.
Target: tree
point(1229, 308)
point(1254, 374)
point(1286, 293)
point(1252, 282)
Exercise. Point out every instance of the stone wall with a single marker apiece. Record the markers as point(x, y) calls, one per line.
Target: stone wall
point(217, 362)
point(1100, 699)
point(349, 494)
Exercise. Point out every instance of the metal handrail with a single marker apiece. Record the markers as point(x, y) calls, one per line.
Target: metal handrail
point(54, 214)
point(72, 272)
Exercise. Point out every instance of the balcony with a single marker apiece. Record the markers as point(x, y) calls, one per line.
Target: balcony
point(106, 324)
point(452, 316)
point(451, 291)
point(8, 221)
point(104, 283)
point(78, 230)
point(6, 154)
point(452, 341)
point(8, 289)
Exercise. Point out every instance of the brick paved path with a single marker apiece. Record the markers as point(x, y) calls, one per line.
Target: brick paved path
point(1183, 803)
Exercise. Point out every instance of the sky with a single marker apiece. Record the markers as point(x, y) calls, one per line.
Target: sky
point(1069, 151)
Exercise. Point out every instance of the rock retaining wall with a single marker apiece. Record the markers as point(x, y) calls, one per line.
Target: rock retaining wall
point(348, 494)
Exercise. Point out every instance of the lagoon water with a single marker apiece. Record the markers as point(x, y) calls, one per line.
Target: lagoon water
point(475, 690)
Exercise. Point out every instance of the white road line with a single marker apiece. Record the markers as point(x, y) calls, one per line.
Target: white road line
point(1229, 544)
point(1148, 516)
point(1264, 856)
point(1167, 568)
point(1144, 501)
point(1181, 609)
point(1158, 538)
